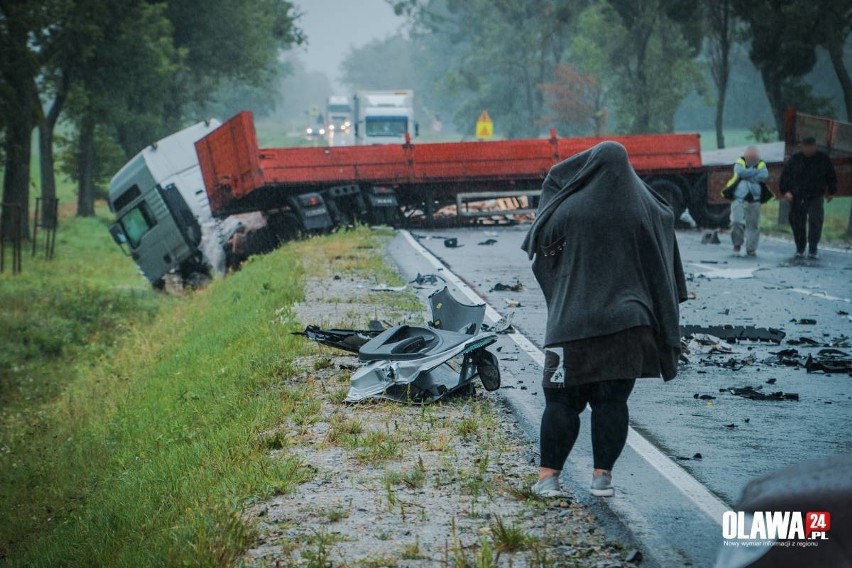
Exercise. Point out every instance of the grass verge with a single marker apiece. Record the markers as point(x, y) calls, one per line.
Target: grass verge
point(147, 446)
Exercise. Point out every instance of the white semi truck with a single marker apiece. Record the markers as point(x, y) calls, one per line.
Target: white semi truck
point(165, 223)
point(384, 117)
point(338, 114)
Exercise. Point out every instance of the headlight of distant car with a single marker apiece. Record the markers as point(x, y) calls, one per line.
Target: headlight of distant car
point(322, 131)
point(347, 124)
point(309, 130)
point(331, 127)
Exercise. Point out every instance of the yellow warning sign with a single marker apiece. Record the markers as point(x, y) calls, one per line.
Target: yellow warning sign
point(484, 126)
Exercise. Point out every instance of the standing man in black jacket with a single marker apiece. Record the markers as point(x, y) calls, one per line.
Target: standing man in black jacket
point(808, 180)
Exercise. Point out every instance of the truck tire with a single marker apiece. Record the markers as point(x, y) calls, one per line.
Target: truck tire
point(707, 215)
point(671, 191)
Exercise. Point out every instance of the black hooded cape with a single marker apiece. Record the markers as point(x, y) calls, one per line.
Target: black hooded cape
point(605, 253)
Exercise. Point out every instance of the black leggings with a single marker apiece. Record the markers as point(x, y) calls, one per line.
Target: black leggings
point(560, 423)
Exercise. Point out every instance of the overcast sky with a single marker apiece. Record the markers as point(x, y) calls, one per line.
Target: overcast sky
point(335, 26)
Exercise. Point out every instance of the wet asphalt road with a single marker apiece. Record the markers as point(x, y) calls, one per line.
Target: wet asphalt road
point(767, 291)
point(777, 433)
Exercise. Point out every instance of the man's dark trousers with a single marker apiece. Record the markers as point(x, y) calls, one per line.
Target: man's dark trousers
point(806, 217)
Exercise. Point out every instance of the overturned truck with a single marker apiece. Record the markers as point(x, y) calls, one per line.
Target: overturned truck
point(208, 196)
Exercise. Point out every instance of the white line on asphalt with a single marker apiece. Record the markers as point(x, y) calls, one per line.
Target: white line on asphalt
point(820, 294)
point(708, 503)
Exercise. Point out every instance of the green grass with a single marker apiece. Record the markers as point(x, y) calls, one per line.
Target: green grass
point(150, 440)
point(834, 229)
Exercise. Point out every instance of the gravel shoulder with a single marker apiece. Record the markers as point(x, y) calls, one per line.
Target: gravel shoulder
point(394, 485)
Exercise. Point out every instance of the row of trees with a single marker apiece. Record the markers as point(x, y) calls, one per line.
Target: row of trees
point(121, 73)
point(566, 62)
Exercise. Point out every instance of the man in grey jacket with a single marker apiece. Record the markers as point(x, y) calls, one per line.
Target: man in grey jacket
point(749, 173)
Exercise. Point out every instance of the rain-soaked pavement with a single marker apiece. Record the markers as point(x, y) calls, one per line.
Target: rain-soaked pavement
point(737, 438)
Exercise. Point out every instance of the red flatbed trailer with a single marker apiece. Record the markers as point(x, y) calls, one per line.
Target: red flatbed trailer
point(240, 177)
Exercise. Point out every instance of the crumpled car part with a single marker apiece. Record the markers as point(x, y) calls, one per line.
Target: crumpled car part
point(346, 339)
point(733, 333)
point(450, 314)
point(433, 366)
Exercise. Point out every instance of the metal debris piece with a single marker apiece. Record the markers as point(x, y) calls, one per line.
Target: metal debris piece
point(752, 393)
point(734, 333)
point(452, 243)
point(488, 242)
point(829, 361)
point(450, 314)
point(706, 343)
point(346, 339)
point(500, 287)
point(804, 321)
point(502, 326)
point(428, 279)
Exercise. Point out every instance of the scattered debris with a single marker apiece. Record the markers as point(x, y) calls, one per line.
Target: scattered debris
point(502, 326)
point(697, 456)
point(731, 426)
point(804, 341)
point(452, 243)
point(500, 287)
point(706, 343)
point(734, 333)
point(428, 279)
point(513, 303)
point(346, 339)
point(633, 556)
point(488, 242)
point(804, 321)
point(703, 397)
point(771, 381)
point(752, 393)
point(829, 361)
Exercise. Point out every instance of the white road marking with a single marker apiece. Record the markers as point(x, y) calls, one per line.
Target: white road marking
point(728, 273)
point(697, 493)
point(820, 294)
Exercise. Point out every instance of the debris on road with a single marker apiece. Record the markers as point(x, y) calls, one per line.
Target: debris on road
point(735, 333)
point(500, 287)
point(752, 393)
point(487, 242)
point(804, 321)
point(513, 303)
point(346, 339)
point(829, 361)
point(452, 243)
point(502, 326)
point(706, 343)
point(428, 279)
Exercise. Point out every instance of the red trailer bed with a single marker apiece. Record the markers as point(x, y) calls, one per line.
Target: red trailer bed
point(239, 176)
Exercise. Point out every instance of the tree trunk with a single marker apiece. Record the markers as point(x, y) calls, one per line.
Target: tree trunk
point(834, 45)
point(45, 143)
point(720, 119)
point(16, 178)
point(86, 167)
point(19, 120)
point(772, 86)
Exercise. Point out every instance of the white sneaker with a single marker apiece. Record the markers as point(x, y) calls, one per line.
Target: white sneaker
point(602, 485)
point(548, 487)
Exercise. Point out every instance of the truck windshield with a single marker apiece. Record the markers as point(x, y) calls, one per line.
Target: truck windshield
point(339, 108)
point(137, 222)
point(395, 126)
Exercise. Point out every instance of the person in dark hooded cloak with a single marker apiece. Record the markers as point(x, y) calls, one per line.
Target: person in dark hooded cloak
point(605, 255)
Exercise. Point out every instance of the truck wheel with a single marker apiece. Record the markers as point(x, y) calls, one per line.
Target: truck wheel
point(671, 192)
point(707, 215)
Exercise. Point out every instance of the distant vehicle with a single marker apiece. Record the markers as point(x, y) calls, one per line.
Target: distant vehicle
point(384, 117)
point(338, 112)
point(164, 221)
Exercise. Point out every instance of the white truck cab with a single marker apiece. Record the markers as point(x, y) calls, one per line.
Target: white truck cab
point(384, 117)
point(163, 214)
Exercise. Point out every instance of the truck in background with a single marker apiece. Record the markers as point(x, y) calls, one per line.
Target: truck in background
point(338, 114)
point(165, 223)
point(384, 117)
